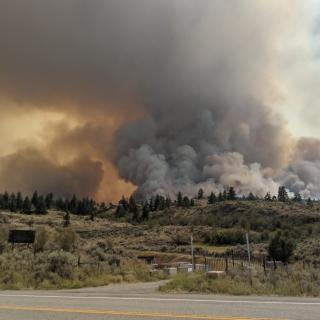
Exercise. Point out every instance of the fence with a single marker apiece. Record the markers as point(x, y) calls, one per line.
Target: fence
point(230, 262)
point(226, 262)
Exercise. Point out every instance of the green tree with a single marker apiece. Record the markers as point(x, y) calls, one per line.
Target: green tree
point(231, 194)
point(49, 200)
point(251, 197)
point(41, 207)
point(13, 203)
point(1, 201)
point(19, 201)
point(268, 197)
point(200, 193)
point(145, 211)
point(34, 199)
point(159, 203)
point(297, 197)
point(225, 195)
point(186, 202)
point(212, 198)
point(73, 204)
point(168, 202)
point(26, 207)
point(280, 247)
point(6, 200)
point(179, 199)
point(122, 208)
point(220, 197)
point(282, 194)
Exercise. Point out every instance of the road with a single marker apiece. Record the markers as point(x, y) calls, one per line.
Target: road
point(142, 301)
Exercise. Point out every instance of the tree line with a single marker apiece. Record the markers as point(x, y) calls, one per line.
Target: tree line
point(138, 211)
point(40, 204)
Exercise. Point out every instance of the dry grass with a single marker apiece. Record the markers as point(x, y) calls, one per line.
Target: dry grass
point(293, 281)
point(165, 235)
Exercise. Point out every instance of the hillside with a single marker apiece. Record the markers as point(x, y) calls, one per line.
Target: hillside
point(105, 249)
point(215, 228)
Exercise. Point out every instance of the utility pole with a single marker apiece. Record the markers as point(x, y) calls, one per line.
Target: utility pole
point(248, 247)
point(192, 252)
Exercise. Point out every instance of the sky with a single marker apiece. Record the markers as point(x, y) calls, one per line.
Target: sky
point(108, 97)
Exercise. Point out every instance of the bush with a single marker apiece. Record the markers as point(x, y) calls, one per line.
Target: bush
point(66, 239)
point(3, 238)
point(181, 238)
point(62, 263)
point(227, 237)
point(280, 247)
point(41, 240)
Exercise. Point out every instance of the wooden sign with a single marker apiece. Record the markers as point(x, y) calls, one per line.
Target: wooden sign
point(21, 236)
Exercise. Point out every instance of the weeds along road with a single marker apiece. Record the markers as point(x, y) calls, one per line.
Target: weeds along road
point(142, 301)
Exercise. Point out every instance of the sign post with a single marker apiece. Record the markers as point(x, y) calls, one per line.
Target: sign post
point(192, 253)
point(21, 236)
point(248, 247)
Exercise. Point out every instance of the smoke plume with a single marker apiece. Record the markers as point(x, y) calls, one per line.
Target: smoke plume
point(150, 96)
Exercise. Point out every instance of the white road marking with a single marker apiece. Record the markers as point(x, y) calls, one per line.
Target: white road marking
point(159, 299)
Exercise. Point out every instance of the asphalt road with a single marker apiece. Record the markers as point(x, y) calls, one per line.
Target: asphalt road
point(142, 301)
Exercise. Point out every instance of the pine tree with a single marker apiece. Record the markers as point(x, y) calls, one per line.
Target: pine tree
point(133, 208)
point(1, 201)
point(151, 205)
point(19, 201)
point(49, 200)
point(168, 202)
point(251, 197)
point(231, 194)
point(186, 202)
point(220, 197)
point(6, 200)
point(13, 203)
point(224, 195)
point(145, 211)
point(309, 202)
point(297, 197)
point(41, 206)
point(282, 194)
point(73, 204)
point(26, 207)
point(157, 203)
point(132, 205)
point(268, 197)
point(34, 199)
point(200, 193)
point(122, 208)
point(281, 247)
point(179, 199)
point(212, 198)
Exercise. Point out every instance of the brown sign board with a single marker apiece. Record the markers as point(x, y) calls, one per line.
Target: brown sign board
point(21, 236)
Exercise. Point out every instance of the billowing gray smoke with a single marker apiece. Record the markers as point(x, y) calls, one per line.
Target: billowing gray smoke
point(198, 76)
point(206, 125)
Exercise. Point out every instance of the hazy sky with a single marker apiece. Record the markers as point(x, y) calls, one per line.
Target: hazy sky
point(89, 91)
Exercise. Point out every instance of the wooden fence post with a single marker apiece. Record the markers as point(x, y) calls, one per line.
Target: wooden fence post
point(264, 264)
